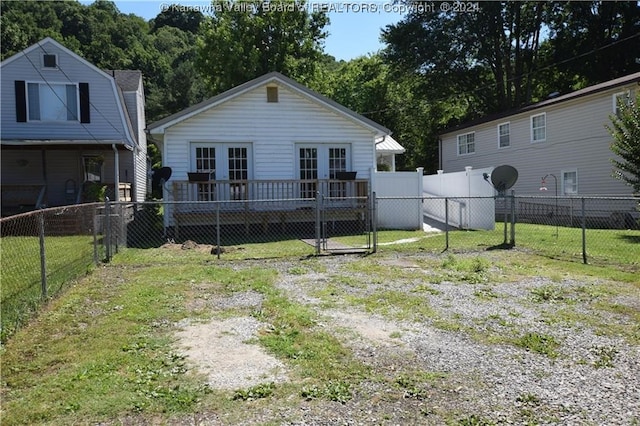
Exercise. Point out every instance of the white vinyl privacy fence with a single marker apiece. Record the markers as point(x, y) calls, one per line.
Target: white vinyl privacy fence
point(467, 192)
point(405, 210)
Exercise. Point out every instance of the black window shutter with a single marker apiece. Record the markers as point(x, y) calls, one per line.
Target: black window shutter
point(85, 113)
point(21, 102)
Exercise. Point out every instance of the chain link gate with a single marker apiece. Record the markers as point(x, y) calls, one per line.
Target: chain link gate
point(345, 224)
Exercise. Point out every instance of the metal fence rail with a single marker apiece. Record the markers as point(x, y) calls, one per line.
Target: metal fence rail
point(43, 250)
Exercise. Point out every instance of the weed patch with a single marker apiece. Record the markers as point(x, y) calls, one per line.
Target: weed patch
point(539, 343)
point(263, 390)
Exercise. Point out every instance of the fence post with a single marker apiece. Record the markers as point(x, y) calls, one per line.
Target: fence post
point(374, 215)
point(506, 218)
point(446, 224)
point(218, 229)
point(513, 218)
point(584, 232)
point(43, 258)
point(95, 235)
point(318, 223)
point(107, 231)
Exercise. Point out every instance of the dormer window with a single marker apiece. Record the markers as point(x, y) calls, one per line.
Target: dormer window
point(50, 61)
point(272, 94)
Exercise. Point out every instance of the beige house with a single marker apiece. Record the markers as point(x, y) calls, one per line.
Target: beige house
point(564, 138)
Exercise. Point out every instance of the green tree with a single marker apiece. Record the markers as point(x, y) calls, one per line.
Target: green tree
point(367, 86)
point(592, 41)
point(486, 54)
point(177, 85)
point(625, 131)
point(178, 16)
point(243, 40)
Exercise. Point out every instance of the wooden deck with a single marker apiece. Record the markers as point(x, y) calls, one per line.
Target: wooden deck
point(267, 218)
point(268, 203)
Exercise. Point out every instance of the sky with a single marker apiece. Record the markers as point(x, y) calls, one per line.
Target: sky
point(354, 29)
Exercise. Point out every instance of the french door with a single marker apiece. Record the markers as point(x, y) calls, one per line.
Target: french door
point(226, 162)
point(322, 161)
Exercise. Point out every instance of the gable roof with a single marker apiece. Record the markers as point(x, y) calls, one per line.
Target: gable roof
point(41, 45)
point(601, 87)
point(160, 126)
point(388, 145)
point(117, 88)
point(127, 80)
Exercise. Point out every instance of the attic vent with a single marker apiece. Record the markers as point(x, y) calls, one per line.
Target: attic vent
point(49, 61)
point(272, 94)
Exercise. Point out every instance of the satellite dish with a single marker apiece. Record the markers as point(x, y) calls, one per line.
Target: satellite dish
point(158, 178)
point(163, 173)
point(503, 178)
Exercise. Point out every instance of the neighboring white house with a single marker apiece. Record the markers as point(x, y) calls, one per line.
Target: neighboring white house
point(268, 138)
point(67, 124)
point(563, 138)
point(386, 150)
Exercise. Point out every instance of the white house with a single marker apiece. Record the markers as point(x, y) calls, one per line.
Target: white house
point(564, 139)
point(68, 125)
point(386, 150)
point(269, 138)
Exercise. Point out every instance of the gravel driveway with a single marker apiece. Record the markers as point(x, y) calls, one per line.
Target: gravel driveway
point(472, 361)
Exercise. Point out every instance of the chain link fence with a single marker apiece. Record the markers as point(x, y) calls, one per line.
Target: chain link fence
point(43, 250)
point(596, 230)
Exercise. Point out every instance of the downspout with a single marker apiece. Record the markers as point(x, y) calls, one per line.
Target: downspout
point(116, 177)
point(134, 181)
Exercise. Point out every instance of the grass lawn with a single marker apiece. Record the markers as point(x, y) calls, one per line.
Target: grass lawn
point(104, 349)
point(21, 290)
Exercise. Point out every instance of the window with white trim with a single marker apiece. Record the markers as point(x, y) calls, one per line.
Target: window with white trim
point(467, 143)
point(539, 127)
point(52, 102)
point(621, 98)
point(504, 135)
point(229, 166)
point(569, 182)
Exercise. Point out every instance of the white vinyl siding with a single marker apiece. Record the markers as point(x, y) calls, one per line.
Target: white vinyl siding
point(569, 182)
point(466, 143)
point(539, 127)
point(504, 135)
point(274, 130)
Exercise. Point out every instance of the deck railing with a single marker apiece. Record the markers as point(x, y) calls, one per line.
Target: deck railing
point(290, 194)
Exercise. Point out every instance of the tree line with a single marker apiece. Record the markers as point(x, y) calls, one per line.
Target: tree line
point(438, 68)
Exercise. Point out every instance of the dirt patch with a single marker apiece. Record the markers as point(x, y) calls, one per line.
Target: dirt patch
point(376, 330)
point(202, 248)
point(221, 350)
